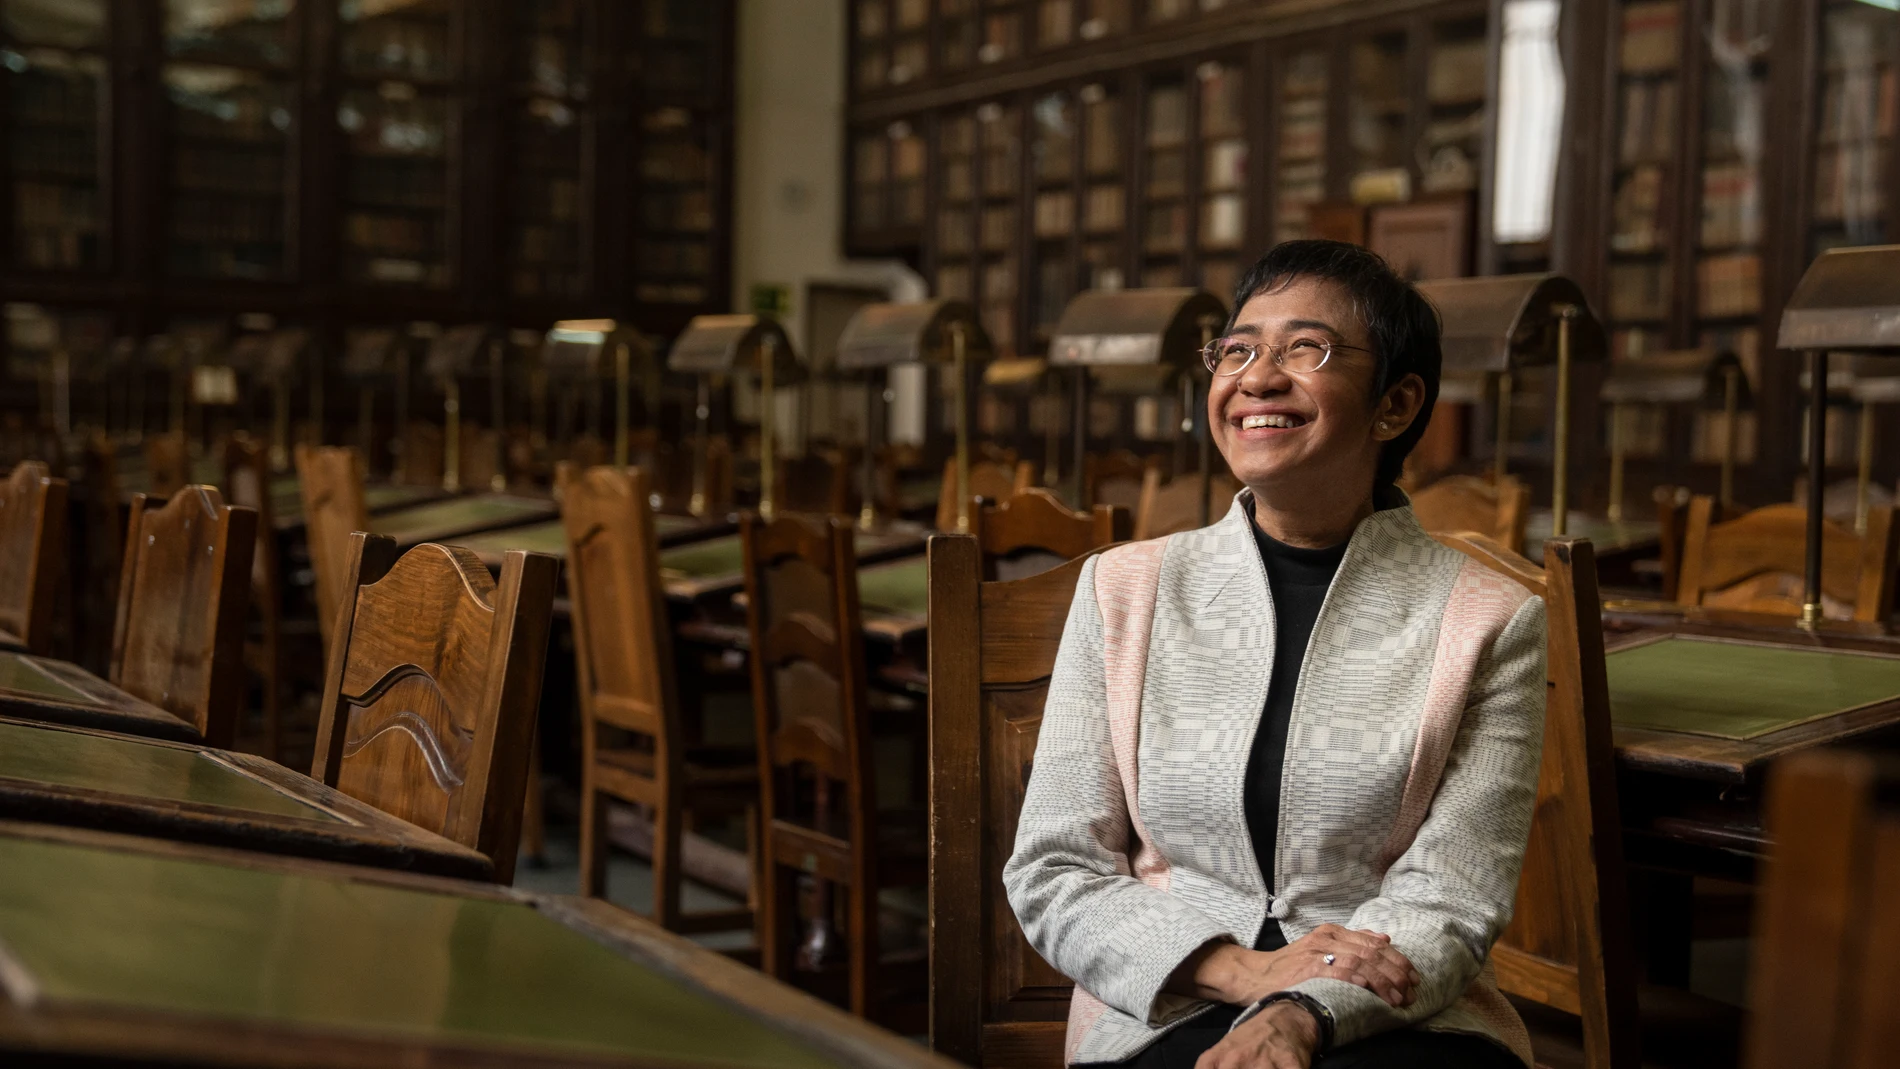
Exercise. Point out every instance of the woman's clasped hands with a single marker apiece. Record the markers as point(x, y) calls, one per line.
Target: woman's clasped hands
point(1238, 976)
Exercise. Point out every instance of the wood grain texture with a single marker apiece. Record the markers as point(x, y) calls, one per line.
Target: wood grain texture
point(32, 556)
point(812, 724)
point(1813, 911)
point(1460, 503)
point(247, 478)
point(1169, 506)
point(431, 691)
point(1569, 944)
point(623, 652)
point(1035, 521)
point(993, 1000)
point(1753, 562)
point(990, 480)
point(179, 638)
point(356, 833)
point(330, 478)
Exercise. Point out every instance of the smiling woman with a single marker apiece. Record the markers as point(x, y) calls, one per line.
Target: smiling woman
point(1336, 720)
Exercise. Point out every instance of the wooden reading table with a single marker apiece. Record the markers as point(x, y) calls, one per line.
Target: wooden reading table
point(96, 779)
point(149, 952)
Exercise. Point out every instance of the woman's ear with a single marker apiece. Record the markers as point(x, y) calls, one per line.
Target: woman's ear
point(1398, 408)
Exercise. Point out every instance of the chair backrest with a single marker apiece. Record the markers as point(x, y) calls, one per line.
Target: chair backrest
point(167, 463)
point(1754, 563)
point(1569, 943)
point(431, 686)
point(623, 639)
point(1116, 477)
point(330, 479)
point(1672, 524)
point(672, 476)
point(1827, 922)
point(1032, 530)
point(824, 480)
point(1169, 506)
point(32, 553)
point(423, 451)
point(993, 1000)
point(178, 640)
point(247, 478)
point(989, 480)
point(808, 675)
point(1458, 503)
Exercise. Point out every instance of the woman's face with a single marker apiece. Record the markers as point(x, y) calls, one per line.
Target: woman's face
point(1314, 432)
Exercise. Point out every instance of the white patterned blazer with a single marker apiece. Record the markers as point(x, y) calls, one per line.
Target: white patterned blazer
point(1410, 776)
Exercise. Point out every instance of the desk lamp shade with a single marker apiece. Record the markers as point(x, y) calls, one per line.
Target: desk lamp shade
point(725, 345)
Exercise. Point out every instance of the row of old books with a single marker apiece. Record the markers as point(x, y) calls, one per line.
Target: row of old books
point(1731, 205)
point(1651, 38)
point(1648, 131)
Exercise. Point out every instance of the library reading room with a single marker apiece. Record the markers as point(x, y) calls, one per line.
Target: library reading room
point(918, 534)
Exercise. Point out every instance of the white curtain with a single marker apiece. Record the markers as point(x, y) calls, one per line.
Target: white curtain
point(1530, 121)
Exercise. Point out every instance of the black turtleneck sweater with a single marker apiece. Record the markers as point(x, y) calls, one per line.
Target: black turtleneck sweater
point(1297, 581)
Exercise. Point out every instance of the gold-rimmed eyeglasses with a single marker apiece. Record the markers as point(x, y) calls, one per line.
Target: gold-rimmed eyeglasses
point(1302, 356)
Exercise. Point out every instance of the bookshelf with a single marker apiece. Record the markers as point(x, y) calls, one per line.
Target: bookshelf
point(999, 157)
point(231, 126)
point(1299, 174)
point(1104, 230)
point(549, 229)
point(1163, 181)
point(1055, 141)
point(54, 83)
point(1646, 200)
point(954, 245)
point(1221, 244)
point(681, 235)
point(1379, 117)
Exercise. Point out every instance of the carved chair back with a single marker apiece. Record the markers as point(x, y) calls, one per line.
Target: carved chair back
point(178, 640)
point(811, 722)
point(1116, 477)
point(1032, 530)
point(993, 1000)
point(1458, 503)
point(32, 555)
point(989, 480)
point(167, 464)
point(1169, 506)
point(431, 686)
point(1754, 563)
point(1569, 943)
point(330, 478)
point(1827, 923)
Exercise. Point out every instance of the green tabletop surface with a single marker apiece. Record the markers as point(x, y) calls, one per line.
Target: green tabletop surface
point(896, 588)
point(19, 675)
point(551, 538)
point(1738, 690)
point(128, 766)
point(447, 519)
point(150, 934)
point(724, 556)
point(287, 497)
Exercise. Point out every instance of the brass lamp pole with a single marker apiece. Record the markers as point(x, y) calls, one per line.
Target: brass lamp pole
point(1817, 489)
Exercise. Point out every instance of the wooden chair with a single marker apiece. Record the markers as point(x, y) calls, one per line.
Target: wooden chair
point(1826, 974)
point(1032, 530)
point(1169, 506)
point(178, 639)
point(167, 464)
point(1116, 477)
point(993, 1000)
point(431, 686)
point(623, 652)
point(1672, 526)
point(32, 556)
point(1569, 945)
point(989, 480)
point(247, 478)
point(330, 480)
point(1754, 563)
point(817, 785)
point(1458, 503)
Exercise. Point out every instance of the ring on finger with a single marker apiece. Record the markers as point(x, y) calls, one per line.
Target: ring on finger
point(1330, 958)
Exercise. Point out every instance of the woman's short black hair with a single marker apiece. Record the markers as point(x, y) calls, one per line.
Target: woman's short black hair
point(1403, 325)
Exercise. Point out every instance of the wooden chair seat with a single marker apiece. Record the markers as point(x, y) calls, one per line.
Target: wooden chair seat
point(432, 688)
